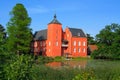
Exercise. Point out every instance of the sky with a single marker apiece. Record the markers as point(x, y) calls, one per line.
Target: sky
point(89, 15)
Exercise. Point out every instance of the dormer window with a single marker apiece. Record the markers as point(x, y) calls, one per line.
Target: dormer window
point(78, 34)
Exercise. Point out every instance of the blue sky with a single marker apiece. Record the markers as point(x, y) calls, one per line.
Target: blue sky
point(89, 15)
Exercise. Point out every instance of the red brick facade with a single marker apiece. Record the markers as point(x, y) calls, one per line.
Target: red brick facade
point(54, 41)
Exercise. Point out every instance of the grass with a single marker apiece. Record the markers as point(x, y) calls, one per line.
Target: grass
point(81, 58)
point(105, 70)
point(75, 69)
point(58, 58)
point(94, 70)
point(47, 73)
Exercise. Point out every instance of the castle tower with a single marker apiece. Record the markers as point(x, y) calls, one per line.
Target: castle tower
point(54, 38)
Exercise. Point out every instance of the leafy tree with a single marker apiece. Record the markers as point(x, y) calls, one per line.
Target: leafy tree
point(107, 35)
point(109, 42)
point(2, 36)
point(19, 33)
point(2, 56)
point(90, 39)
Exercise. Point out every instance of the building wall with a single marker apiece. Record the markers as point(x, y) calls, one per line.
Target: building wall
point(54, 40)
point(79, 47)
point(67, 36)
point(36, 47)
point(40, 47)
point(55, 46)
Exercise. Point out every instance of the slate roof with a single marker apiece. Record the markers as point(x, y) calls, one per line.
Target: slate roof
point(40, 35)
point(77, 32)
point(55, 21)
point(92, 47)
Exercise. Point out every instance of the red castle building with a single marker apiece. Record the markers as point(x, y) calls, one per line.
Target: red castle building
point(54, 41)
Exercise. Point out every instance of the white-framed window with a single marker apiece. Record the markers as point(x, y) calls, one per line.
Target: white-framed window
point(74, 43)
point(67, 35)
point(41, 43)
point(57, 43)
point(74, 50)
point(79, 43)
point(35, 44)
point(43, 49)
point(49, 43)
point(78, 34)
point(79, 50)
point(44, 43)
point(84, 50)
point(84, 43)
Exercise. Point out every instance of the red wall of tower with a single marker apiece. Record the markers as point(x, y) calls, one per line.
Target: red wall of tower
point(54, 38)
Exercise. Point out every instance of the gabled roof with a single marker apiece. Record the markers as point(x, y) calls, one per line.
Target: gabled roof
point(55, 21)
point(40, 35)
point(92, 47)
point(77, 32)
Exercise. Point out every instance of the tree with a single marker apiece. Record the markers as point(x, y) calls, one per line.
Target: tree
point(108, 35)
point(109, 42)
point(2, 37)
point(90, 39)
point(19, 33)
point(2, 56)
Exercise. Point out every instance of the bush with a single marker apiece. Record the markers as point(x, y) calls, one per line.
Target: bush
point(85, 75)
point(19, 68)
point(4, 60)
point(106, 53)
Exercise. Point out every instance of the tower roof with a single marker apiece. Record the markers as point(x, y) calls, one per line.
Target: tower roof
point(55, 21)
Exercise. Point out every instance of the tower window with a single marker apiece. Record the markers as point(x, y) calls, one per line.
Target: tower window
point(67, 35)
point(49, 43)
point(57, 43)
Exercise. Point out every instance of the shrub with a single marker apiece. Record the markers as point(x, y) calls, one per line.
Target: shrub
point(85, 75)
point(19, 68)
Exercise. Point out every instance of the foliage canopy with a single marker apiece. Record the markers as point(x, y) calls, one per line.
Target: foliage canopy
point(108, 42)
point(19, 33)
